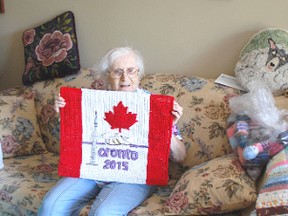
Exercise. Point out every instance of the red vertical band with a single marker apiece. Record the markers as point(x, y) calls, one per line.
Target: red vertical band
point(70, 133)
point(159, 138)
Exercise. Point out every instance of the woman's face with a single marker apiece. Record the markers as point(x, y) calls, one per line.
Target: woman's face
point(124, 82)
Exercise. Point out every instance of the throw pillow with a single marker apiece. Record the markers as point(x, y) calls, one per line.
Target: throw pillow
point(19, 131)
point(265, 58)
point(214, 187)
point(51, 50)
point(273, 196)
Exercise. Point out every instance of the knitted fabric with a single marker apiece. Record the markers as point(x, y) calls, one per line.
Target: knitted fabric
point(273, 196)
point(115, 136)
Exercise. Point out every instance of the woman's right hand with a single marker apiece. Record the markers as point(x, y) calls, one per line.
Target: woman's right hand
point(59, 102)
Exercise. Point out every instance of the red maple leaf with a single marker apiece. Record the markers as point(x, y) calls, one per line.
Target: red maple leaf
point(120, 118)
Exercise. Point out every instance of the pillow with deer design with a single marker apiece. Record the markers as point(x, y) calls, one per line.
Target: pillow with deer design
point(265, 58)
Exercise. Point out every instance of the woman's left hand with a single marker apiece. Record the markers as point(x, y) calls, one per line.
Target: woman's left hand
point(176, 112)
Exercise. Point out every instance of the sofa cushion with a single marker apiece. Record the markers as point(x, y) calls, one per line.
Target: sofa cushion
point(24, 182)
point(20, 134)
point(265, 58)
point(281, 102)
point(218, 186)
point(16, 91)
point(154, 204)
point(51, 50)
point(205, 110)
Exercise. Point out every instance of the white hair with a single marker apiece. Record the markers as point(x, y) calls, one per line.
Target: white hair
point(109, 58)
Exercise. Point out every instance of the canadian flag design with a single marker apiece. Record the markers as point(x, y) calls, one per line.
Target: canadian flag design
point(115, 136)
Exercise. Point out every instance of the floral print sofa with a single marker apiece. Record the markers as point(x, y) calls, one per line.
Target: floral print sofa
point(210, 180)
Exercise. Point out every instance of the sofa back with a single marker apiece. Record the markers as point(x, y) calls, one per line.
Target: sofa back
point(202, 126)
point(45, 92)
point(205, 111)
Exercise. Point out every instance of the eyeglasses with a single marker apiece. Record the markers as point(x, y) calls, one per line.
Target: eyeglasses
point(131, 72)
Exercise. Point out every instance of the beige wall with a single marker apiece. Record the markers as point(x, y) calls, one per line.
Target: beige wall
point(200, 37)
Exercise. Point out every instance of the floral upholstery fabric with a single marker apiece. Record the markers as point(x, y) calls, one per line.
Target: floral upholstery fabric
point(205, 105)
point(51, 50)
point(19, 131)
point(218, 186)
point(25, 180)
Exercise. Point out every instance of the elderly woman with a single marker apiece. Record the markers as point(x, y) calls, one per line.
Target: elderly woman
point(124, 69)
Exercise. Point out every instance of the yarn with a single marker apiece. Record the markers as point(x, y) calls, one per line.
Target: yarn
point(253, 144)
point(242, 132)
point(250, 152)
point(238, 134)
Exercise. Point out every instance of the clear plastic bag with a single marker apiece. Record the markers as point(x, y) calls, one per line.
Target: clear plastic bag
point(259, 105)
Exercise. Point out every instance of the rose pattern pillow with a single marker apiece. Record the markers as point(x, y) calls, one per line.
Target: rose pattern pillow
point(51, 50)
point(19, 131)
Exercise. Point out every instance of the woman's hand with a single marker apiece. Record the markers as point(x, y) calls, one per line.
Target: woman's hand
point(59, 103)
point(178, 149)
point(176, 112)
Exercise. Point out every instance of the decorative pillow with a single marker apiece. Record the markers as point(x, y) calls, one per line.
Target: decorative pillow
point(265, 58)
point(19, 130)
point(215, 187)
point(273, 196)
point(51, 50)
point(105, 136)
point(206, 108)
